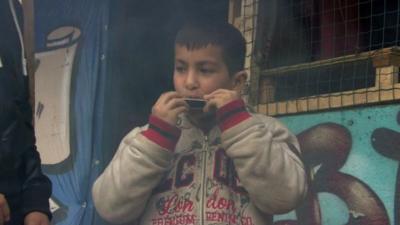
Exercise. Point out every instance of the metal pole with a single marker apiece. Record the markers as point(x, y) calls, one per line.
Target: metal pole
point(29, 43)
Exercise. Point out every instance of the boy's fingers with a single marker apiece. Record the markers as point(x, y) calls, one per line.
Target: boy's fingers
point(222, 92)
point(167, 96)
point(217, 92)
point(220, 97)
point(163, 101)
point(217, 96)
point(210, 105)
point(173, 103)
point(163, 98)
point(179, 110)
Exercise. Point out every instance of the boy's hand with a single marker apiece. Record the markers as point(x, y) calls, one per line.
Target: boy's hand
point(4, 210)
point(168, 106)
point(219, 98)
point(36, 218)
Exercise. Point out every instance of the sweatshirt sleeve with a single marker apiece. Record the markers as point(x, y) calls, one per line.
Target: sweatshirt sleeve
point(121, 192)
point(266, 157)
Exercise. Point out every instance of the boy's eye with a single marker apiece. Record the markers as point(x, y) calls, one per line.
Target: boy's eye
point(180, 69)
point(206, 70)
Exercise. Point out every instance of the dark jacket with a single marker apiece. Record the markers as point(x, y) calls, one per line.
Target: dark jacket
point(22, 182)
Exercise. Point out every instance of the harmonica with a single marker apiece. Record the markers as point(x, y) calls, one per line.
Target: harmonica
point(195, 103)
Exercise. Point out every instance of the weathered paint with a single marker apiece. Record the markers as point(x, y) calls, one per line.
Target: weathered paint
point(372, 131)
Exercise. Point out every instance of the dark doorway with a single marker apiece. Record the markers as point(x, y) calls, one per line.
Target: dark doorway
point(140, 56)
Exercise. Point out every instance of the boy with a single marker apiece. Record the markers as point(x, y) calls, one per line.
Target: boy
point(218, 165)
point(24, 189)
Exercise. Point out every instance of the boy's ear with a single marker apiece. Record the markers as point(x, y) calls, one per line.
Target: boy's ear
point(239, 81)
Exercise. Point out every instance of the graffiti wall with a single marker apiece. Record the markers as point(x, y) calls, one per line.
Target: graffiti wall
point(352, 161)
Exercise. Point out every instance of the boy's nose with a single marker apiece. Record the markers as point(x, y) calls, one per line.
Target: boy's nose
point(191, 81)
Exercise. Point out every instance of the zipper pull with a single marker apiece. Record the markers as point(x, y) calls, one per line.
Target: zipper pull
point(24, 67)
point(206, 147)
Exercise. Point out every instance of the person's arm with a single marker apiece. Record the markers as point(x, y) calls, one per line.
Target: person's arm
point(266, 158)
point(36, 189)
point(121, 192)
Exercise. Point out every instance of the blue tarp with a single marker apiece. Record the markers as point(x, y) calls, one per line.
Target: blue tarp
point(72, 187)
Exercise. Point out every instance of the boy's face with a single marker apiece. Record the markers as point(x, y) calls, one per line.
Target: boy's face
point(200, 71)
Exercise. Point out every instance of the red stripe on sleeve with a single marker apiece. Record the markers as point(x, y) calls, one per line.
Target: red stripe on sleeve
point(233, 120)
point(162, 133)
point(239, 103)
point(231, 114)
point(164, 126)
point(159, 139)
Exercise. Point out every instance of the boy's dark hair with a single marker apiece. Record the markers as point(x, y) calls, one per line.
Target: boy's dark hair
point(196, 35)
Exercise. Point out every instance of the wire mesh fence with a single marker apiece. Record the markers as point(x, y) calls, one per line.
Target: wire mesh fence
point(309, 55)
point(244, 14)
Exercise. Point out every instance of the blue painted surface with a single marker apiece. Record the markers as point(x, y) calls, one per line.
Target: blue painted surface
point(364, 163)
point(72, 188)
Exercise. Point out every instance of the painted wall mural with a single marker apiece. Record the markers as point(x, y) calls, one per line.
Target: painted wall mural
point(52, 106)
point(71, 46)
point(52, 96)
point(351, 157)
